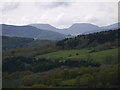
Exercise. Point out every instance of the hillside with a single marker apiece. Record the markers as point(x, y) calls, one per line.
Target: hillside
point(17, 42)
point(96, 41)
point(81, 54)
point(66, 64)
point(89, 40)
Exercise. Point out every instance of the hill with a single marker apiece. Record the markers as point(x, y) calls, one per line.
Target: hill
point(100, 56)
point(89, 40)
point(96, 42)
point(85, 61)
point(17, 42)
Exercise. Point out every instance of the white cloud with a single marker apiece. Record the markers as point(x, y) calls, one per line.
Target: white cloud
point(60, 14)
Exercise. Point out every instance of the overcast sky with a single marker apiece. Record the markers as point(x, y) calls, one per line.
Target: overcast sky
point(59, 14)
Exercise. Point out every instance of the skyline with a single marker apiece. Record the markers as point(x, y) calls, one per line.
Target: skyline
point(59, 14)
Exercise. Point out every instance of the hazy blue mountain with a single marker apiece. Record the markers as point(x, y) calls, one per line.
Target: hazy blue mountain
point(113, 26)
point(50, 28)
point(106, 28)
point(80, 28)
point(44, 27)
point(30, 32)
point(48, 32)
point(75, 29)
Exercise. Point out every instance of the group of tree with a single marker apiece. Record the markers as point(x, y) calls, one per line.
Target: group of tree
point(14, 64)
point(90, 40)
point(83, 77)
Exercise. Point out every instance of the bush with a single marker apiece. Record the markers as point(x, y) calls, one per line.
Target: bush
point(86, 80)
point(40, 86)
point(29, 80)
point(77, 54)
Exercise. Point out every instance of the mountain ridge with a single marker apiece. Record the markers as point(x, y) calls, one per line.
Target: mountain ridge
point(49, 32)
point(30, 32)
point(78, 28)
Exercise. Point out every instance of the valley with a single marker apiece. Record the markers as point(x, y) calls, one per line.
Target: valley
point(84, 61)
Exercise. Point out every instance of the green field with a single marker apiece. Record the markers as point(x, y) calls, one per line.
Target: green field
point(71, 54)
point(63, 54)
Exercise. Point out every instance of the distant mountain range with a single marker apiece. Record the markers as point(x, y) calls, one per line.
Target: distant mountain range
point(78, 28)
point(48, 32)
point(31, 32)
point(113, 26)
point(75, 29)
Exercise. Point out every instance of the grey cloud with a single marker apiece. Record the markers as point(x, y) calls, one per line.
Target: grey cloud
point(57, 4)
point(60, 14)
point(49, 5)
point(8, 6)
point(92, 19)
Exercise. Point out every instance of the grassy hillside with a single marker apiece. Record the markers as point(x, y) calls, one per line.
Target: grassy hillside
point(63, 54)
point(81, 54)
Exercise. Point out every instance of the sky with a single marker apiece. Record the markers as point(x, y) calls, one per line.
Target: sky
point(59, 13)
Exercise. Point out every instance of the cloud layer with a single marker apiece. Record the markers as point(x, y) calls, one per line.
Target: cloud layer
point(59, 14)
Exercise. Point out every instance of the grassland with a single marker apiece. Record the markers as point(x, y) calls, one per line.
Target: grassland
point(80, 54)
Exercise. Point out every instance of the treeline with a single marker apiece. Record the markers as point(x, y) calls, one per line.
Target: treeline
point(90, 40)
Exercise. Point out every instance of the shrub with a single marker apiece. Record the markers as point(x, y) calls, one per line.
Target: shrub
point(40, 86)
point(29, 80)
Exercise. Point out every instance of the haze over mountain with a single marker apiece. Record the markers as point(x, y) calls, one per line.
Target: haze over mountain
point(77, 28)
point(30, 32)
point(44, 27)
point(80, 28)
point(113, 26)
point(48, 32)
point(106, 28)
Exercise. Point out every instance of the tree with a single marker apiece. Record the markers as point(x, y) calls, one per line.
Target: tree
point(86, 80)
point(77, 54)
point(29, 80)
